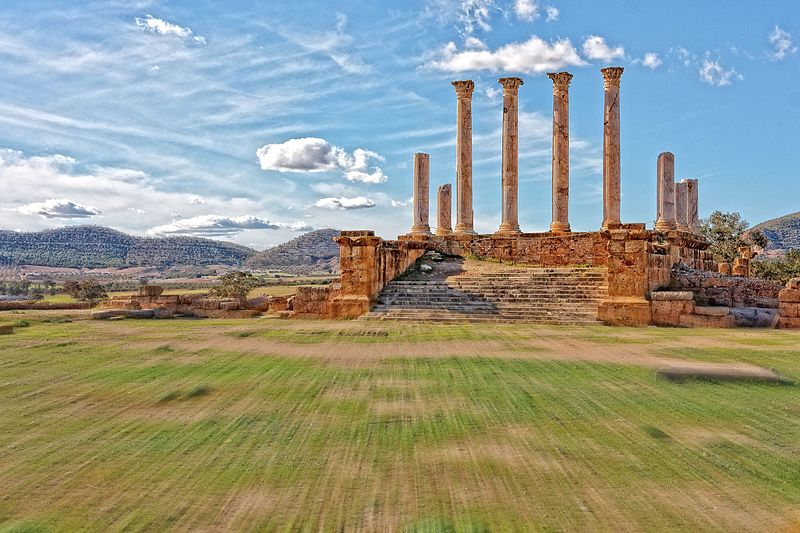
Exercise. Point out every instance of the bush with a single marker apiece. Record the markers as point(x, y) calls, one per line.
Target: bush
point(782, 269)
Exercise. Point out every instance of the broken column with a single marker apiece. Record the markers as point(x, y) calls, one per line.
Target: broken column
point(611, 147)
point(560, 176)
point(692, 212)
point(464, 221)
point(681, 206)
point(665, 192)
point(421, 193)
point(444, 202)
point(510, 160)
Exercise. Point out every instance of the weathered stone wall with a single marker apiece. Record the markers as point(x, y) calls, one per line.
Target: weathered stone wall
point(789, 305)
point(712, 288)
point(314, 302)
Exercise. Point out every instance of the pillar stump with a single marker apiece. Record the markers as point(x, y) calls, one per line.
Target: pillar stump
point(422, 168)
point(665, 192)
point(611, 147)
point(510, 159)
point(444, 202)
point(560, 172)
point(464, 218)
point(692, 212)
point(682, 205)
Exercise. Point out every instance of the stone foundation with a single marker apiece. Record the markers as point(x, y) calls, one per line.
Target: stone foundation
point(712, 288)
point(789, 305)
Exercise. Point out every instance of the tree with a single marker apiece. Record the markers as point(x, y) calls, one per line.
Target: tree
point(85, 290)
point(235, 285)
point(726, 232)
point(782, 269)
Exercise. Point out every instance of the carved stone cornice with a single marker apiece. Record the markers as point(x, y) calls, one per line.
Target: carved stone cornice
point(611, 76)
point(561, 80)
point(510, 85)
point(464, 88)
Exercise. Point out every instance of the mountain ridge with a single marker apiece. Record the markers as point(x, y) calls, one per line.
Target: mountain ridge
point(314, 252)
point(783, 233)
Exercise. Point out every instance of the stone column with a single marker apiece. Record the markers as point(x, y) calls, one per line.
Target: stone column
point(682, 206)
point(692, 213)
point(510, 161)
point(611, 147)
point(560, 175)
point(464, 220)
point(422, 168)
point(665, 192)
point(444, 201)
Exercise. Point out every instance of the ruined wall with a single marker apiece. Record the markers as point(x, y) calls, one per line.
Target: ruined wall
point(711, 288)
point(314, 302)
point(789, 299)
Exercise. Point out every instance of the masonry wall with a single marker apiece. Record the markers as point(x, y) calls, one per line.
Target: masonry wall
point(711, 288)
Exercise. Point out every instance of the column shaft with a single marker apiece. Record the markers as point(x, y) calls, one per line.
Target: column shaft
point(421, 195)
point(560, 175)
point(444, 202)
point(510, 156)
point(665, 192)
point(682, 206)
point(464, 218)
point(692, 213)
point(611, 147)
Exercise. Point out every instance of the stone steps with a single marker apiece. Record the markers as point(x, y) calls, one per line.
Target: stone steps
point(535, 295)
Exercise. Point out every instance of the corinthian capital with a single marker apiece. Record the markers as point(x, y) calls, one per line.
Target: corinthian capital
point(510, 85)
point(560, 80)
point(464, 88)
point(611, 76)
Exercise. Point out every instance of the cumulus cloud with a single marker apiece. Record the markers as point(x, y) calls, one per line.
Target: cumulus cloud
point(357, 202)
point(312, 154)
point(552, 14)
point(595, 47)
point(56, 208)
point(651, 60)
point(713, 73)
point(157, 26)
point(222, 226)
point(526, 9)
point(782, 45)
point(533, 55)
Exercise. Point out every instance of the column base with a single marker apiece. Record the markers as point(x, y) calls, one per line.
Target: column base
point(683, 227)
point(420, 230)
point(610, 224)
point(508, 229)
point(443, 231)
point(560, 227)
point(663, 225)
point(464, 230)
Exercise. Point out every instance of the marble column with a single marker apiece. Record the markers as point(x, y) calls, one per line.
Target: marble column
point(422, 166)
point(682, 206)
point(510, 161)
point(560, 174)
point(611, 147)
point(692, 213)
point(464, 220)
point(665, 192)
point(444, 202)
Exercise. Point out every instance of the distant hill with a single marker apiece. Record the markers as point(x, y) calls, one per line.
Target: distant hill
point(100, 247)
point(782, 233)
point(311, 253)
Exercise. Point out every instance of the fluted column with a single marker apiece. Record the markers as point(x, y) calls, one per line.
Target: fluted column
point(464, 219)
point(444, 202)
point(682, 206)
point(421, 193)
point(611, 147)
point(692, 213)
point(560, 175)
point(665, 192)
point(510, 161)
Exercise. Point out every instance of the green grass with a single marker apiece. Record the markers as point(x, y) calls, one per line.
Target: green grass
point(276, 425)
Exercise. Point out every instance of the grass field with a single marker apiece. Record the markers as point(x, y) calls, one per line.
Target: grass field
point(336, 426)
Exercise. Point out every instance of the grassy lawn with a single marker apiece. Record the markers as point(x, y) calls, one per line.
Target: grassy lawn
point(298, 425)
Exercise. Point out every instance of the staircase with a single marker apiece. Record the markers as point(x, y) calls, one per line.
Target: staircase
point(494, 293)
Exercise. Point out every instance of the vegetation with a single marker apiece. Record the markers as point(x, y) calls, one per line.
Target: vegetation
point(727, 232)
point(235, 285)
point(98, 247)
point(85, 290)
point(311, 253)
point(780, 268)
point(234, 425)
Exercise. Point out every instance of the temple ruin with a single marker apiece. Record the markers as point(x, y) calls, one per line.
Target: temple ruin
point(627, 265)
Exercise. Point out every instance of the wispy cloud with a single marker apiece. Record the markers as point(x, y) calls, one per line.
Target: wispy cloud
point(782, 45)
point(714, 73)
point(358, 202)
point(162, 27)
point(55, 208)
point(222, 226)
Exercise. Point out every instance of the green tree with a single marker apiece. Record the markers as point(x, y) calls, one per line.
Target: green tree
point(726, 232)
point(85, 290)
point(782, 269)
point(235, 285)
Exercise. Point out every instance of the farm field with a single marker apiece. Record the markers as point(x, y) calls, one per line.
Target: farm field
point(269, 424)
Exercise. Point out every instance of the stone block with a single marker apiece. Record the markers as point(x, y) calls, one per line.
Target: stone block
point(703, 321)
point(625, 312)
point(712, 311)
point(789, 295)
point(163, 312)
point(789, 310)
point(788, 323)
point(151, 291)
point(667, 296)
point(669, 312)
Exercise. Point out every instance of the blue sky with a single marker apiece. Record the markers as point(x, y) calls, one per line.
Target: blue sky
point(253, 121)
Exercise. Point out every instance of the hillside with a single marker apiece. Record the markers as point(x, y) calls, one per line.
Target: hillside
point(99, 247)
point(311, 253)
point(783, 233)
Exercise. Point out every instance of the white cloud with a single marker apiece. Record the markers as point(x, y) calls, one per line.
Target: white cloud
point(151, 24)
point(533, 55)
point(312, 154)
point(782, 45)
point(402, 203)
point(595, 47)
point(651, 60)
point(552, 14)
point(684, 55)
point(221, 226)
point(713, 73)
point(55, 208)
point(526, 9)
point(476, 14)
point(474, 43)
point(358, 202)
